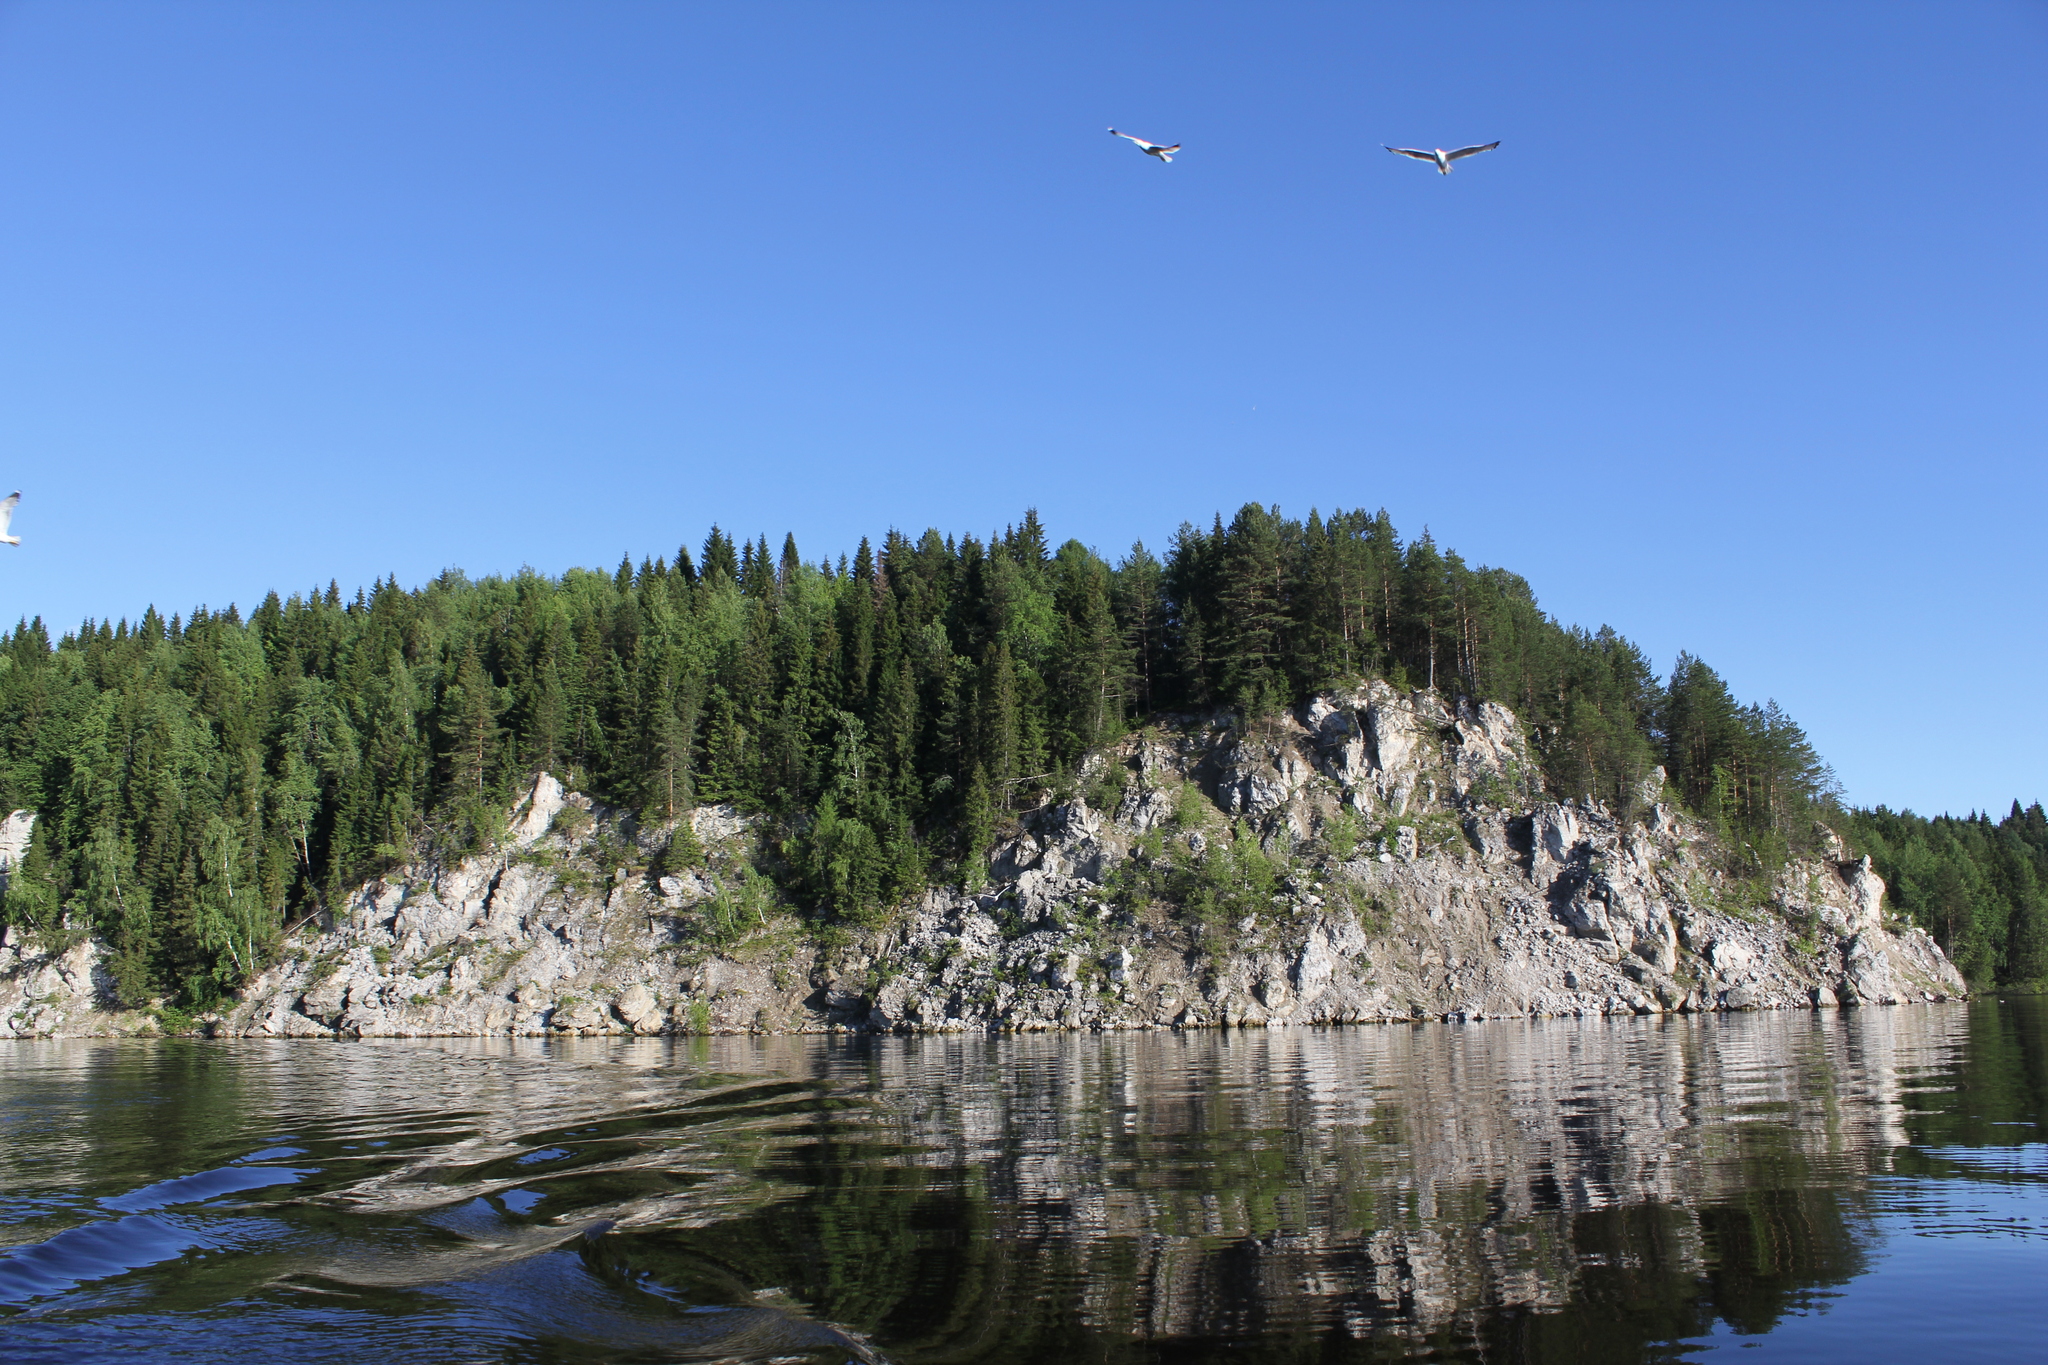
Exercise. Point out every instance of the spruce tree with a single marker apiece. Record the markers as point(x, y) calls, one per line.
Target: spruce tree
point(997, 751)
point(977, 830)
point(1141, 620)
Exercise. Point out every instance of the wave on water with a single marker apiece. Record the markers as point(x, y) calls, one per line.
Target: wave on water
point(470, 1243)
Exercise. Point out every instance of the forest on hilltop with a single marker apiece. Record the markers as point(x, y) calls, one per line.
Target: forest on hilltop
point(203, 781)
point(1978, 887)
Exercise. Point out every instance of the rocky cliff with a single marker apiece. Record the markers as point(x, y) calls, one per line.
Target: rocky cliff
point(1369, 856)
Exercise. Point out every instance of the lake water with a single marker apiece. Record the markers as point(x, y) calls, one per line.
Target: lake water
point(1867, 1184)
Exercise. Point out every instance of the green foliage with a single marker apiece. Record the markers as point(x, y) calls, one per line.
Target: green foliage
point(1190, 808)
point(1106, 791)
point(1980, 888)
point(1437, 831)
point(202, 781)
point(737, 909)
point(681, 852)
point(849, 868)
point(32, 896)
point(977, 831)
point(1213, 890)
point(1750, 770)
point(170, 1019)
point(1341, 833)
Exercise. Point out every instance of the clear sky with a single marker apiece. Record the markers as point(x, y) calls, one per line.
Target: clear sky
point(1738, 343)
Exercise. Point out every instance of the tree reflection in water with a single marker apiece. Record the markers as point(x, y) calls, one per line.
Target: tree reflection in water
point(1582, 1190)
point(1561, 1190)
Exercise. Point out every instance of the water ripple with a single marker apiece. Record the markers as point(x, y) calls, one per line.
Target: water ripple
point(1620, 1189)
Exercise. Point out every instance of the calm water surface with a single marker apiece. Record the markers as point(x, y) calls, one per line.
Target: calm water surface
point(1869, 1184)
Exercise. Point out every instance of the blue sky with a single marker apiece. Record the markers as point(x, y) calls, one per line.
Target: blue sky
point(1737, 343)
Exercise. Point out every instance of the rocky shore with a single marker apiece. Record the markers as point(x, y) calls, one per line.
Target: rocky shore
point(1369, 856)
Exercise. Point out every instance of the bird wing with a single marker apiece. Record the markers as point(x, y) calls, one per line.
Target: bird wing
point(1148, 146)
point(1469, 151)
point(1410, 151)
point(1174, 148)
point(7, 505)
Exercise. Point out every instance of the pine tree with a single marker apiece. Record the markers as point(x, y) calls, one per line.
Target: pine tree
point(998, 726)
point(1141, 620)
point(1088, 670)
point(791, 563)
point(1426, 610)
point(720, 565)
point(119, 904)
point(469, 727)
point(977, 830)
point(1253, 602)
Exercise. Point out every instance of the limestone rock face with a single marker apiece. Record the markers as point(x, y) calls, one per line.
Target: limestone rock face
point(1144, 809)
point(1417, 875)
point(58, 990)
point(1866, 895)
point(15, 832)
point(539, 812)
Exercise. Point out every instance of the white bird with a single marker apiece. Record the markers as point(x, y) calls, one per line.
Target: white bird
point(1440, 158)
point(1151, 148)
point(7, 506)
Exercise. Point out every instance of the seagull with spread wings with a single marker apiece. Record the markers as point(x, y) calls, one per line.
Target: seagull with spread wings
point(1440, 158)
point(1151, 148)
point(7, 506)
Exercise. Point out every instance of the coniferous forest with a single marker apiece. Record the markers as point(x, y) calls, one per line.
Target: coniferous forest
point(204, 781)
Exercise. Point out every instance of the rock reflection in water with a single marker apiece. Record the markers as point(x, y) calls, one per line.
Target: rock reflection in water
point(1552, 1190)
point(1629, 1181)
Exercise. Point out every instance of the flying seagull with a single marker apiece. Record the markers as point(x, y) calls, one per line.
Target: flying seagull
point(1151, 148)
point(1440, 158)
point(7, 506)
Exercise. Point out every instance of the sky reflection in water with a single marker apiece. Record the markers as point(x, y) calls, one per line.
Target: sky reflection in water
point(1783, 1185)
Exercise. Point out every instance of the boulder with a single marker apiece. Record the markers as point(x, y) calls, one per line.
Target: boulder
point(1325, 955)
point(326, 1000)
point(582, 1016)
point(637, 1006)
point(1586, 918)
point(1869, 970)
point(1489, 745)
point(1727, 955)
